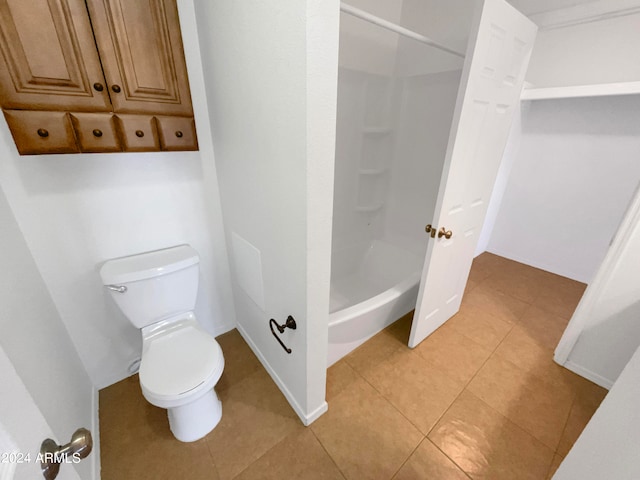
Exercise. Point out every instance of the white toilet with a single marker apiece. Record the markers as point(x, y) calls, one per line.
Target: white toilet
point(181, 363)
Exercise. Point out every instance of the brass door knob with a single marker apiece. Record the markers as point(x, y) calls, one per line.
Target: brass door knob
point(431, 230)
point(43, 132)
point(444, 233)
point(179, 134)
point(139, 133)
point(98, 87)
point(116, 88)
point(97, 132)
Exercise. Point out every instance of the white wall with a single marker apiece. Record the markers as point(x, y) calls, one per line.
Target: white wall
point(574, 172)
point(608, 446)
point(596, 52)
point(271, 70)
point(76, 211)
point(38, 347)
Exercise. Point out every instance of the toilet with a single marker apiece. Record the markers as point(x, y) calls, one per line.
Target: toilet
point(181, 363)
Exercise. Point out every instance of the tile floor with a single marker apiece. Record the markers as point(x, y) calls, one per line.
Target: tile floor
point(480, 398)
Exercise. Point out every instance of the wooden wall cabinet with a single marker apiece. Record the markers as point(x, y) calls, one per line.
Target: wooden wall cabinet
point(105, 69)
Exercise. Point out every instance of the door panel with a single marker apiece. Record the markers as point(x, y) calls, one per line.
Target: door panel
point(490, 87)
point(140, 46)
point(49, 59)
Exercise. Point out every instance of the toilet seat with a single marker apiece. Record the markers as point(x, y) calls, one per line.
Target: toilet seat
point(179, 362)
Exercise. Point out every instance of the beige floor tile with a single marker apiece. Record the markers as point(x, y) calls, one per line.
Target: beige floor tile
point(544, 328)
point(298, 456)
point(339, 376)
point(255, 417)
point(516, 284)
point(365, 435)
point(555, 464)
point(495, 303)
point(541, 408)
point(240, 362)
point(136, 442)
point(484, 265)
point(560, 295)
point(486, 445)
point(587, 401)
point(427, 462)
point(375, 350)
point(522, 350)
point(481, 327)
point(419, 390)
point(454, 354)
point(401, 328)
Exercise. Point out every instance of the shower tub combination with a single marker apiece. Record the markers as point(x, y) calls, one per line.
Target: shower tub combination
point(369, 294)
point(395, 106)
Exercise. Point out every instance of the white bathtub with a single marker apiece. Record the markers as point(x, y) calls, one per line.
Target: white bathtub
point(369, 293)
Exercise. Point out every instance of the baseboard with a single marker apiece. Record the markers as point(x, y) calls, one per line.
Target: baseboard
point(306, 419)
point(589, 375)
point(95, 433)
point(542, 266)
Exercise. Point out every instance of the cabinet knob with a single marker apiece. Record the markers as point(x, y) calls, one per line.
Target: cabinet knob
point(98, 87)
point(178, 134)
point(116, 88)
point(43, 132)
point(97, 133)
point(139, 133)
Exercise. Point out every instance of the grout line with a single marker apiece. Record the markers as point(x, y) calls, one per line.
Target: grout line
point(450, 459)
point(410, 455)
point(327, 452)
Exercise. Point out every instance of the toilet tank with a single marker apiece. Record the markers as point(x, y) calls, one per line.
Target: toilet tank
point(152, 286)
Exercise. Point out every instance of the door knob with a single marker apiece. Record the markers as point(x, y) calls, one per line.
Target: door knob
point(444, 233)
point(431, 230)
point(52, 454)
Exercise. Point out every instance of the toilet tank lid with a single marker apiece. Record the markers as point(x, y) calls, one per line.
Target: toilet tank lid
point(148, 265)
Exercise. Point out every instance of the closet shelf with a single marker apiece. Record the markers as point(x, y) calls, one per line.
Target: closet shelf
point(577, 91)
point(376, 130)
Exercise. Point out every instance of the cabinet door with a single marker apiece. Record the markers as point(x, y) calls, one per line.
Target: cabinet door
point(49, 60)
point(140, 47)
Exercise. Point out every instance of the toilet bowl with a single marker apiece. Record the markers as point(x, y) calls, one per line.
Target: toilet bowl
point(180, 363)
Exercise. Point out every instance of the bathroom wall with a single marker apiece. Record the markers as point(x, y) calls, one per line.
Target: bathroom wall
point(271, 70)
point(76, 211)
point(37, 345)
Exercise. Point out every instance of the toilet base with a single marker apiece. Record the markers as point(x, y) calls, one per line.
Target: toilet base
point(196, 419)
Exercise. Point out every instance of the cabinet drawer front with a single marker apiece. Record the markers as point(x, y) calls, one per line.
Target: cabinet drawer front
point(96, 132)
point(177, 133)
point(38, 132)
point(49, 59)
point(138, 133)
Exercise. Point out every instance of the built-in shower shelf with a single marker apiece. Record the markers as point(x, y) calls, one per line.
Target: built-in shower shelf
point(373, 171)
point(370, 208)
point(376, 130)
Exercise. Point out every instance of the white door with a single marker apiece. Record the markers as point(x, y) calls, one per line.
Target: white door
point(22, 429)
point(490, 87)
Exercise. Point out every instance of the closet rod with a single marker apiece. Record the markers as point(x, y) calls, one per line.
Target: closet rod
point(356, 12)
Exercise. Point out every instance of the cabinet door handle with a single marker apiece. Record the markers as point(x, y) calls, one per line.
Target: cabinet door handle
point(43, 132)
point(139, 133)
point(97, 133)
point(116, 88)
point(178, 134)
point(98, 87)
